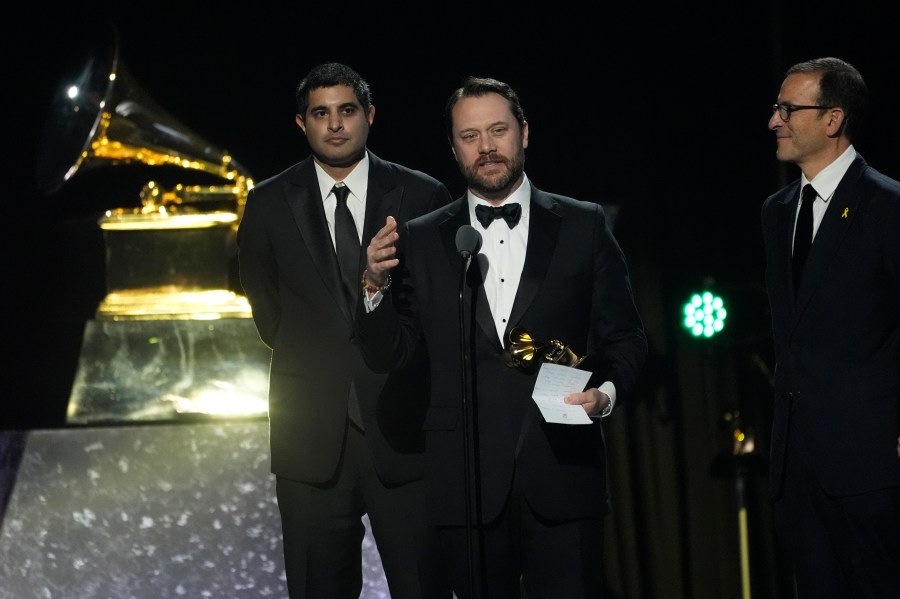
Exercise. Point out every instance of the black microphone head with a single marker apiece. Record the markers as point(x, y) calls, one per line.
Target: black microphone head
point(468, 241)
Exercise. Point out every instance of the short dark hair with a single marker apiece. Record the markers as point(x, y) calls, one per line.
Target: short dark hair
point(474, 87)
point(328, 75)
point(840, 85)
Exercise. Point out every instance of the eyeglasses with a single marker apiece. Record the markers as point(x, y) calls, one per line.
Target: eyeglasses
point(785, 110)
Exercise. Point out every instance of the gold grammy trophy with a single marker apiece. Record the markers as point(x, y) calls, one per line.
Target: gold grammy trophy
point(525, 352)
point(171, 339)
point(169, 257)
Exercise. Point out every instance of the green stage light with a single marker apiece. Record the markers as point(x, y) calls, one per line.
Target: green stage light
point(704, 314)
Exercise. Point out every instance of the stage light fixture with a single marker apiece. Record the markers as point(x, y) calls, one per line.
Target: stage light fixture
point(704, 314)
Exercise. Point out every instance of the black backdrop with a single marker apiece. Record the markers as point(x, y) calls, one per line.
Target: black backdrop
point(660, 111)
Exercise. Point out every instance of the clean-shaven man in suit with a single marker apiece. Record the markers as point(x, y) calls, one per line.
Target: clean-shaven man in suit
point(835, 304)
point(345, 441)
point(550, 265)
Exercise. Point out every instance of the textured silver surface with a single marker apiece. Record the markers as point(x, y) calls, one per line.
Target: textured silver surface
point(157, 370)
point(150, 511)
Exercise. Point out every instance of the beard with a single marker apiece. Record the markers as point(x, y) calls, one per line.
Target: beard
point(497, 187)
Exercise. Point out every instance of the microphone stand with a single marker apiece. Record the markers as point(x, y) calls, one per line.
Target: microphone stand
point(466, 366)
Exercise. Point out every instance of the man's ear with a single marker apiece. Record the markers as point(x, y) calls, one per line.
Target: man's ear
point(837, 118)
point(300, 123)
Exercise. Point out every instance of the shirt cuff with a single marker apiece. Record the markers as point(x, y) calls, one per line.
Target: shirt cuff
point(371, 301)
point(610, 389)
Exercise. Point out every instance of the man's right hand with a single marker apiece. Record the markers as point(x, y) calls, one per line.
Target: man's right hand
point(380, 253)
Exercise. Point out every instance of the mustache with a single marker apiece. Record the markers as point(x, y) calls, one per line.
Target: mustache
point(491, 158)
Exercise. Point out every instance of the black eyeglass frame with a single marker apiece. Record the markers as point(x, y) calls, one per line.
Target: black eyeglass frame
point(785, 110)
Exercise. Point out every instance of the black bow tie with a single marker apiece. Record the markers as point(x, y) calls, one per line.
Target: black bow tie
point(508, 212)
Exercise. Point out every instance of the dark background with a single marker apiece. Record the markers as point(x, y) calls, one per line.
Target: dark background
point(660, 111)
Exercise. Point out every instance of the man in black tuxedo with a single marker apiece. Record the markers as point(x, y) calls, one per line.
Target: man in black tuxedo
point(833, 280)
point(551, 266)
point(345, 441)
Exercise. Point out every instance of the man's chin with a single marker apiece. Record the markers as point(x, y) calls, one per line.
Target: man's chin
point(496, 191)
point(340, 161)
point(491, 183)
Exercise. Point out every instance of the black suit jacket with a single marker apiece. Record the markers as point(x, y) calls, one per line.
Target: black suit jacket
point(289, 271)
point(837, 375)
point(574, 288)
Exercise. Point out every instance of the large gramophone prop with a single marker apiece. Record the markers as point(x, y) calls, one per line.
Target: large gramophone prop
point(171, 339)
point(169, 258)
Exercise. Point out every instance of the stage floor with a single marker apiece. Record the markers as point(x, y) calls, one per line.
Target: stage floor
point(149, 511)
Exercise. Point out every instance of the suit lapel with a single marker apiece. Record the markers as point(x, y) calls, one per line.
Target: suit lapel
point(305, 202)
point(383, 199)
point(839, 215)
point(787, 215)
point(543, 231)
point(457, 216)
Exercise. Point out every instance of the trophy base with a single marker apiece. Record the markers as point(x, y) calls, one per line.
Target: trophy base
point(173, 303)
point(152, 370)
point(181, 251)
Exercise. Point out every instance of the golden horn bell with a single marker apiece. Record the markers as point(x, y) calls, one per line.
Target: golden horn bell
point(102, 116)
point(525, 353)
point(171, 258)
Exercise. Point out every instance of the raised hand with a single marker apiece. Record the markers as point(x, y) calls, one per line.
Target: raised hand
point(381, 252)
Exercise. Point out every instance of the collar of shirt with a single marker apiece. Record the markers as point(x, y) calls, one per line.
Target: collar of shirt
point(826, 182)
point(829, 177)
point(357, 181)
point(522, 195)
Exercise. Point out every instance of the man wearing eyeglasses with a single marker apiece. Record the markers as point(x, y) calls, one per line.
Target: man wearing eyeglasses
point(832, 242)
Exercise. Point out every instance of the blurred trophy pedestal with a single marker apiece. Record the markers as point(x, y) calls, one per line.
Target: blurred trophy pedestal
point(170, 265)
point(172, 338)
point(170, 341)
point(169, 370)
point(181, 251)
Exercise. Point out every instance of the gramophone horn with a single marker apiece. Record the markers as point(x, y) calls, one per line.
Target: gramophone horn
point(521, 349)
point(102, 116)
point(525, 353)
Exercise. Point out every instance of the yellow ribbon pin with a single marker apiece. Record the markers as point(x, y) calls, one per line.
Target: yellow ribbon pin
point(846, 212)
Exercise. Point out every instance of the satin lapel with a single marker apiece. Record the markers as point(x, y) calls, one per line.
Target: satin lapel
point(839, 215)
point(380, 204)
point(543, 233)
point(787, 215)
point(383, 199)
point(458, 215)
point(483, 315)
point(305, 201)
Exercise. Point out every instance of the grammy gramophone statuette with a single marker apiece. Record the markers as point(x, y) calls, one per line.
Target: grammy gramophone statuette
point(172, 257)
point(524, 352)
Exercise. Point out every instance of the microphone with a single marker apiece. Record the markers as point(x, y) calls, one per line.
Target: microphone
point(468, 241)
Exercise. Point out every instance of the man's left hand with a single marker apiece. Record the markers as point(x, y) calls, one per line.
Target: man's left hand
point(594, 401)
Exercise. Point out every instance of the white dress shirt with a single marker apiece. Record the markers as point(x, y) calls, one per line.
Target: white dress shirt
point(358, 183)
point(505, 252)
point(825, 183)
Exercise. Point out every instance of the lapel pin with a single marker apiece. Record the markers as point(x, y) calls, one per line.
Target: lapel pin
point(846, 212)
